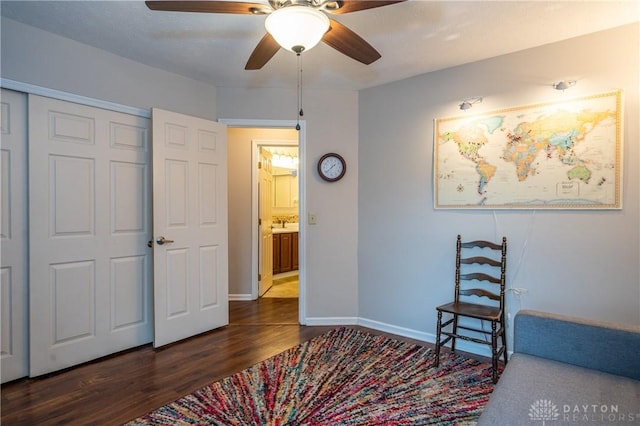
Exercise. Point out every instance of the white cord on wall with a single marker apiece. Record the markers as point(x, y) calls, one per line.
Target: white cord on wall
point(513, 272)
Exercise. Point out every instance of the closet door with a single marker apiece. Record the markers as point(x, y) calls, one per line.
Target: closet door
point(13, 234)
point(89, 221)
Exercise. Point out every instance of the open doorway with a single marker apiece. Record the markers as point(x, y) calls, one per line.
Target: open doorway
point(244, 136)
point(278, 219)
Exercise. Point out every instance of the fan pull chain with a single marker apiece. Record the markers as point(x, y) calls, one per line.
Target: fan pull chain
point(300, 111)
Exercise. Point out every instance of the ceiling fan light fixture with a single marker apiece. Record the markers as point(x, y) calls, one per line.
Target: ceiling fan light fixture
point(297, 28)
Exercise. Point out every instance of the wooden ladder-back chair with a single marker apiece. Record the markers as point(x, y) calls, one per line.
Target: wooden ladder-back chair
point(477, 277)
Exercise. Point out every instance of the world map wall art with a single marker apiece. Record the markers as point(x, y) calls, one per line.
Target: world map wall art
point(556, 155)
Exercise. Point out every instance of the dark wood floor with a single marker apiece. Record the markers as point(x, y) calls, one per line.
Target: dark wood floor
point(119, 388)
point(122, 387)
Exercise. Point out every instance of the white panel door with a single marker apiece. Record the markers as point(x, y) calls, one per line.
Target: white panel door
point(14, 302)
point(89, 222)
point(191, 274)
point(265, 201)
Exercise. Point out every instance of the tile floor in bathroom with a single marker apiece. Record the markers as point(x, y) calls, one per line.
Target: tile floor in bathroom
point(286, 286)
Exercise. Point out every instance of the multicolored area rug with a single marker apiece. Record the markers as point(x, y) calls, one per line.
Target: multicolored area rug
point(344, 377)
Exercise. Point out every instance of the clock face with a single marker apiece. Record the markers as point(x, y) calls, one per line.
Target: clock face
point(331, 167)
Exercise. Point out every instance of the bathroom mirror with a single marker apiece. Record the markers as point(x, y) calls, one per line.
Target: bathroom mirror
point(285, 189)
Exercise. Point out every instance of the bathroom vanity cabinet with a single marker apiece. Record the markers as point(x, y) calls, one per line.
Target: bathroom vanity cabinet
point(285, 252)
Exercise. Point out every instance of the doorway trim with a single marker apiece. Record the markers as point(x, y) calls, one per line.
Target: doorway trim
point(302, 204)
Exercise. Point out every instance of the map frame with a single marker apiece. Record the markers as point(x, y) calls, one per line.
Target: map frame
point(614, 140)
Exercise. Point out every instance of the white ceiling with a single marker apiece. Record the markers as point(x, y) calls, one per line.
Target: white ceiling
point(414, 37)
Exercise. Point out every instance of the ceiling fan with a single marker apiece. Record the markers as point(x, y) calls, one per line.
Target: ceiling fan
point(299, 17)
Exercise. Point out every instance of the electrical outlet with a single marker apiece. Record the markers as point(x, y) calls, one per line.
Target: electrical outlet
point(313, 219)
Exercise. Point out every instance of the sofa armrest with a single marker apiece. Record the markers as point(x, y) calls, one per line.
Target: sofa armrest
point(608, 347)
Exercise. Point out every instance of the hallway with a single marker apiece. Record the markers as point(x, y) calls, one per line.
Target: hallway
point(264, 311)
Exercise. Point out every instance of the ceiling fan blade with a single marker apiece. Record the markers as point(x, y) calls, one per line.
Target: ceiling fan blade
point(349, 43)
point(264, 51)
point(209, 7)
point(356, 5)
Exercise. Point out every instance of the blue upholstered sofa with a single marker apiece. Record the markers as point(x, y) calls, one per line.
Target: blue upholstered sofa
point(568, 371)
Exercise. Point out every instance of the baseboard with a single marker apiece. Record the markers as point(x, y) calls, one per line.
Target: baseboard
point(461, 345)
point(337, 321)
point(241, 297)
point(394, 329)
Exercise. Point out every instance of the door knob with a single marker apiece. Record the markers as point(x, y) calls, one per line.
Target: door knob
point(162, 240)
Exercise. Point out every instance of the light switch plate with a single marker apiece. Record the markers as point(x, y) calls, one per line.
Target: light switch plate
point(313, 219)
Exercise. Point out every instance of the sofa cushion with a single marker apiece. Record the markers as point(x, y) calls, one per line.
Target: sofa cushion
point(532, 390)
point(605, 346)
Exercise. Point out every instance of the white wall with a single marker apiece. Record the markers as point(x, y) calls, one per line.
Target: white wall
point(30, 55)
point(582, 263)
point(331, 119)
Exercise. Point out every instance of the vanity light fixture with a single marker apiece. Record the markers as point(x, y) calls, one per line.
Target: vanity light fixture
point(469, 102)
point(285, 161)
point(564, 84)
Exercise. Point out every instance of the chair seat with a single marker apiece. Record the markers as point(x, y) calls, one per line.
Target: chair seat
point(489, 313)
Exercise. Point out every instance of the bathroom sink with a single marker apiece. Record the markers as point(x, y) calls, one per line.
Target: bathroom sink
point(289, 227)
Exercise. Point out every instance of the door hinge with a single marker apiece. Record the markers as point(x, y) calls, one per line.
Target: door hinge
point(259, 277)
point(259, 164)
point(260, 222)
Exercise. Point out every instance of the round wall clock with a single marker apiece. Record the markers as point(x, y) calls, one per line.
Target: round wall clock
point(331, 167)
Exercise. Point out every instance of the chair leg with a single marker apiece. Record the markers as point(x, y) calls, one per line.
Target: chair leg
point(504, 342)
point(438, 331)
point(455, 333)
point(494, 352)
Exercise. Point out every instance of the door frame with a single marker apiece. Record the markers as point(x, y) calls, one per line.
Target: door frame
point(302, 202)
